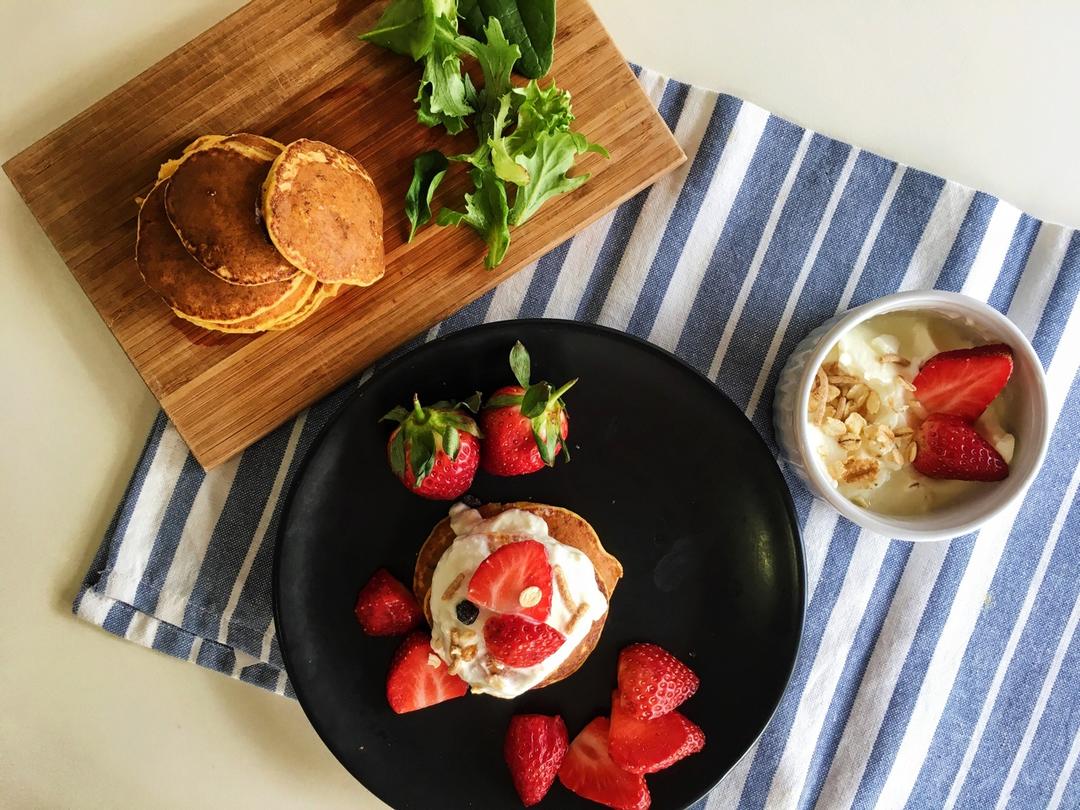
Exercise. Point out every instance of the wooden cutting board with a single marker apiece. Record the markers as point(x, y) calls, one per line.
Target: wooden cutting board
point(291, 70)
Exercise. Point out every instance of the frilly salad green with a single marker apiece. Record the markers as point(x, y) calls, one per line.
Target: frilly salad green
point(525, 147)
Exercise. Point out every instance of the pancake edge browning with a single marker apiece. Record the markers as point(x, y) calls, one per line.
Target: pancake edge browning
point(293, 305)
point(563, 525)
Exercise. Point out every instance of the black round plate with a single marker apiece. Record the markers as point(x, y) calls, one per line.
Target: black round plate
point(679, 487)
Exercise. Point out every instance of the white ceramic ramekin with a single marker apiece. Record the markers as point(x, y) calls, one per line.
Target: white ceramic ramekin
point(1031, 423)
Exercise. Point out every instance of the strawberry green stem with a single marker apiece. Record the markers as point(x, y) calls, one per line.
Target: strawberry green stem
point(418, 412)
point(558, 394)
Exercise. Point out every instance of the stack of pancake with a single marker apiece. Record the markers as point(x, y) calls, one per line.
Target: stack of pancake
point(244, 234)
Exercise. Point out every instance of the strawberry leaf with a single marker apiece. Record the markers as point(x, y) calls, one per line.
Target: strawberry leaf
point(397, 414)
point(397, 453)
point(473, 402)
point(540, 432)
point(503, 401)
point(551, 438)
point(451, 442)
point(535, 400)
point(520, 364)
point(421, 455)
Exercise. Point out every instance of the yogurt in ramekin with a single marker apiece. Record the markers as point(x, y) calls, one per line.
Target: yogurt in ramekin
point(863, 412)
point(1022, 414)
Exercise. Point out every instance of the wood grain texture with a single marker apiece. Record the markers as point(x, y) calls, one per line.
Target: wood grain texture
point(291, 70)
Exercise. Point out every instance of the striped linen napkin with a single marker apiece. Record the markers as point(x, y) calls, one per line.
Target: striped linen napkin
point(929, 675)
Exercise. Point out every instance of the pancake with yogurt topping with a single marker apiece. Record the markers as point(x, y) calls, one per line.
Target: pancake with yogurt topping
point(459, 543)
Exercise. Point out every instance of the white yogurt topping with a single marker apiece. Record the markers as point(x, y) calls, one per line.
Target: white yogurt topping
point(899, 489)
point(472, 547)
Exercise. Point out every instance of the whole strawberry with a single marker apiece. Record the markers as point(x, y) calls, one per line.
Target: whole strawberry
point(435, 451)
point(525, 426)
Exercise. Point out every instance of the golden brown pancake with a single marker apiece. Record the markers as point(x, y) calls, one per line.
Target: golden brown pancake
point(185, 285)
point(323, 213)
point(566, 527)
point(279, 317)
point(213, 202)
point(267, 146)
point(323, 292)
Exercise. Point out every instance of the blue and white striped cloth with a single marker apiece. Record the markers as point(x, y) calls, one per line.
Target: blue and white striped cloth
point(930, 675)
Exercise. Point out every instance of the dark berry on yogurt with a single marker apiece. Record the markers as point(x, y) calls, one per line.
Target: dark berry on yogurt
point(467, 611)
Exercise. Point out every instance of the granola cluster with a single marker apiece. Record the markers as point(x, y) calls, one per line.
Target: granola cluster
point(462, 647)
point(846, 408)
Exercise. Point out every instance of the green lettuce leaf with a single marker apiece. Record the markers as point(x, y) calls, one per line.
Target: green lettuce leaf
point(503, 162)
point(486, 211)
point(529, 24)
point(547, 166)
point(427, 31)
point(429, 169)
point(444, 93)
point(406, 27)
point(539, 112)
point(496, 57)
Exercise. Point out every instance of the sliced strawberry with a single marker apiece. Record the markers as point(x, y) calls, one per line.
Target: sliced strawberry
point(418, 677)
point(517, 642)
point(648, 746)
point(385, 607)
point(534, 749)
point(652, 681)
point(963, 382)
point(516, 578)
point(589, 771)
point(949, 447)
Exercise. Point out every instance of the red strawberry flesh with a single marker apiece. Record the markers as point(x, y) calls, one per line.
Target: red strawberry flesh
point(418, 678)
point(949, 447)
point(652, 681)
point(385, 607)
point(510, 446)
point(534, 750)
point(648, 746)
point(517, 642)
point(964, 382)
point(503, 581)
point(589, 771)
point(449, 479)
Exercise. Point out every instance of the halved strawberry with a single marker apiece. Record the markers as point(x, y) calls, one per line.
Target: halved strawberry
point(534, 749)
point(949, 447)
point(515, 578)
point(648, 746)
point(652, 681)
point(418, 677)
point(589, 771)
point(517, 642)
point(963, 382)
point(385, 607)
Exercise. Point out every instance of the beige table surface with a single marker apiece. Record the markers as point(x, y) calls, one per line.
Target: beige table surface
point(983, 92)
